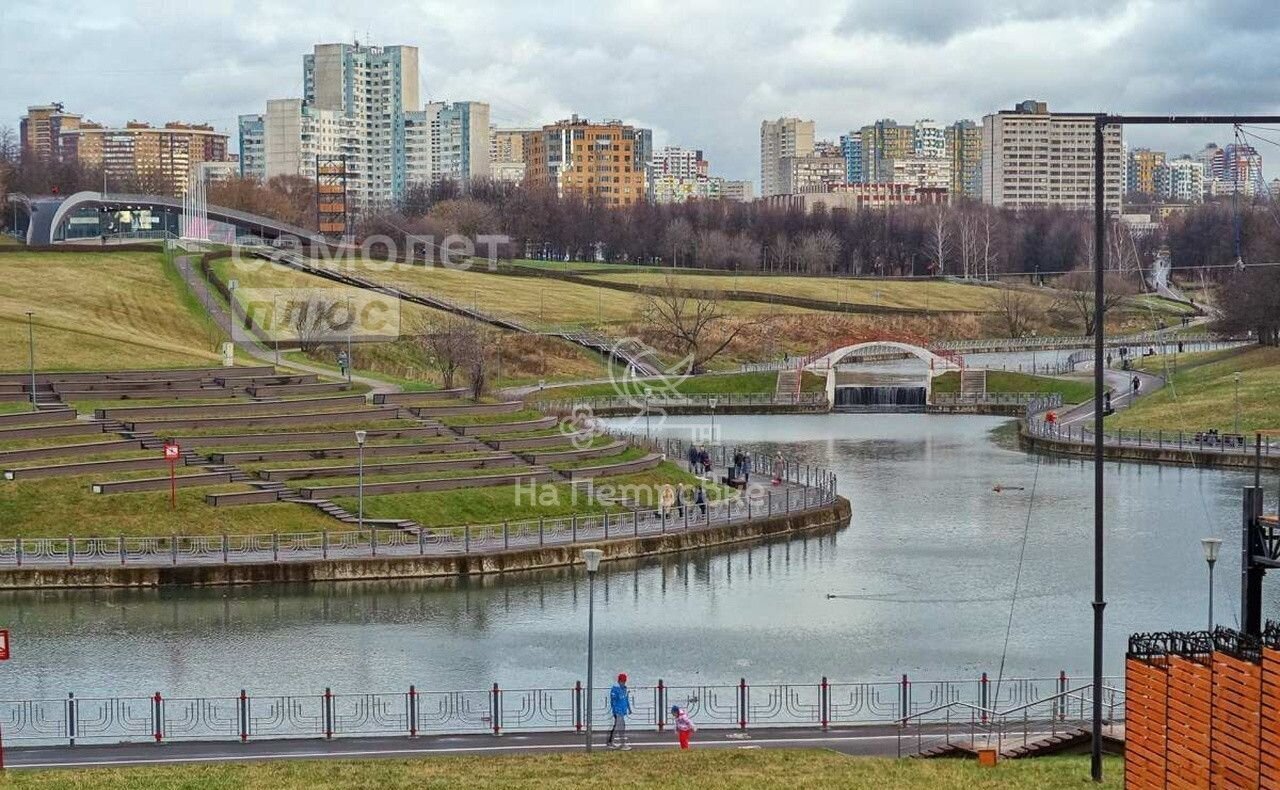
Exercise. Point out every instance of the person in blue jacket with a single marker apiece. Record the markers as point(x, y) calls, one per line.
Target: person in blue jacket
point(620, 704)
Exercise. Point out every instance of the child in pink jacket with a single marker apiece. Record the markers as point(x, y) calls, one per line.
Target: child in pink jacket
point(684, 726)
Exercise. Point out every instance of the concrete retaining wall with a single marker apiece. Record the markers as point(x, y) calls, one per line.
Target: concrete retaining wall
point(490, 460)
point(531, 475)
point(278, 390)
point(1155, 455)
point(411, 398)
point(162, 483)
point(531, 442)
point(69, 450)
point(202, 393)
point(258, 456)
point(245, 408)
point(473, 408)
point(284, 440)
point(242, 498)
point(86, 467)
point(177, 374)
point(833, 517)
point(639, 465)
point(46, 431)
point(495, 428)
point(613, 448)
point(37, 417)
point(262, 421)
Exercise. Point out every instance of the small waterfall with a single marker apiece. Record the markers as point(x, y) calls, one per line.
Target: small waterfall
point(880, 399)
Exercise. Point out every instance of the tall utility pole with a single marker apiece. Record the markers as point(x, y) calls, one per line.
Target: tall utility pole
point(1100, 122)
point(31, 355)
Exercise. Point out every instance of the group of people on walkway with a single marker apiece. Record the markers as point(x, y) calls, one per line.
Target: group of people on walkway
point(699, 460)
point(620, 707)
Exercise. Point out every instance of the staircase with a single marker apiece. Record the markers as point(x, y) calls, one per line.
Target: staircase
point(788, 385)
point(973, 383)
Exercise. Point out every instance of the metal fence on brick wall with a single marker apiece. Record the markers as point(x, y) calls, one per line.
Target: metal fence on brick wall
point(244, 715)
point(1198, 441)
point(641, 403)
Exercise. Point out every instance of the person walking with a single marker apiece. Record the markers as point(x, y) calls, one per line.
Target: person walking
point(684, 725)
point(620, 704)
point(779, 469)
point(1137, 384)
point(705, 460)
point(693, 458)
point(746, 467)
point(700, 499)
point(680, 501)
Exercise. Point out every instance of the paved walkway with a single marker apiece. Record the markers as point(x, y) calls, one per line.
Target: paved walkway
point(863, 740)
point(1122, 395)
point(189, 270)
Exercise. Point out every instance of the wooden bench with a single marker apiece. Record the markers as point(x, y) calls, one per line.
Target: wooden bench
point(497, 428)
point(283, 440)
point(243, 408)
point(161, 483)
point(410, 398)
point(532, 442)
point(58, 429)
point(86, 467)
point(532, 475)
point(393, 468)
point(229, 498)
point(267, 420)
point(350, 451)
point(463, 410)
point(37, 417)
point(69, 450)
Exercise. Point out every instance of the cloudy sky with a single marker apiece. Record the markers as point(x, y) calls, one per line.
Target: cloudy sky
point(701, 73)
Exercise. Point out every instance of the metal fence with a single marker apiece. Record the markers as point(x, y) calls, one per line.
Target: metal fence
point(641, 403)
point(1044, 400)
point(1202, 441)
point(244, 716)
point(804, 487)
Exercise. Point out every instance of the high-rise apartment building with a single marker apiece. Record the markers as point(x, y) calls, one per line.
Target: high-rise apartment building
point(595, 160)
point(447, 142)
point(811, 174)
point(929, 139)
point(883, 141)
point(1140, 172)
point(964, 149)
point(922, 172)
point(1033, 158)
point(295, 134)
point(1242, 169)
point(252, 131)
point(40, 131)
point(741, 191)
point(506, 154)
point(1180, 180)
point(144, 158)
point(375, 87)
point(851, 148)
point(677, 175)
point(781, 139)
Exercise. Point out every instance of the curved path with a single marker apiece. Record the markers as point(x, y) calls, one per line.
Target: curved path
point(1119, 382)
point(191, 276)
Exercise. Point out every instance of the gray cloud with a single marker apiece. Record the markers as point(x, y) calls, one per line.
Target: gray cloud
point(702, 74)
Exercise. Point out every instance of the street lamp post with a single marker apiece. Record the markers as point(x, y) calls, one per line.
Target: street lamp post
point(360, 437)
point(712, 403)
point(1210, 547)
point(592, 558)
point(351, 321)
point(31, 355)
point(648, 391)
point(1237, 377)
point(274, 330)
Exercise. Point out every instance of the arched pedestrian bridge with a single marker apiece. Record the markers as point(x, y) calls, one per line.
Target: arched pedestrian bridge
point(879, 387)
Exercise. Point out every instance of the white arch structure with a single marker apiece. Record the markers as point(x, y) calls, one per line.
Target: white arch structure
point(827, 363)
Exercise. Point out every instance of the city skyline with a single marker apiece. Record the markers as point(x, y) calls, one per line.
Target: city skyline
point(841, 64)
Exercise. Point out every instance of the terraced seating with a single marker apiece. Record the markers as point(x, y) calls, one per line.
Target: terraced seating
point(453, 410)
point(309, 437)
point(85, 467)
point(274, 380)
point(161, 483)
point(37, 417)
point(204, 393)
point(560, 456)
point(267, 420)
point(533, 442)
point(289, 390)
point(347, 451)
point(415, 398)
point(497, 428)
point(178, 374)
point(48, 431)
point(126, 414)
point(534, 474)
point(625, 467)
point(69, 450)
point(491, 460)
point(260, 496)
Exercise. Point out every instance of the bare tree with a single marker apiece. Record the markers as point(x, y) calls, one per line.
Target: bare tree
point(818, 251)
point(968, 227)
point(447, 344)
point(1078, 294)
point(696, 324)
point(989, 256)
point(316, 319)
point(678, 237)
point(939, 240)
point(1016, 309)
point(783, 250)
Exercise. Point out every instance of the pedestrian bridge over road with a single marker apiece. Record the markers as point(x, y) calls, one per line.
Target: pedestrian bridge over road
point(880, 398)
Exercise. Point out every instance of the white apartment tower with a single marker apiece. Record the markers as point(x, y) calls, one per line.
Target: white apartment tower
point(1034, 158)
point(781, 139)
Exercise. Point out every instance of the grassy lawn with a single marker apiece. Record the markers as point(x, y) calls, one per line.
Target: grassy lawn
point(629, 454)
point(521, 415)
point(641, 769)
point(1202, 393)
point(735, 383)
point(99, 311)
point(64, 506)
point(1072, 390)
